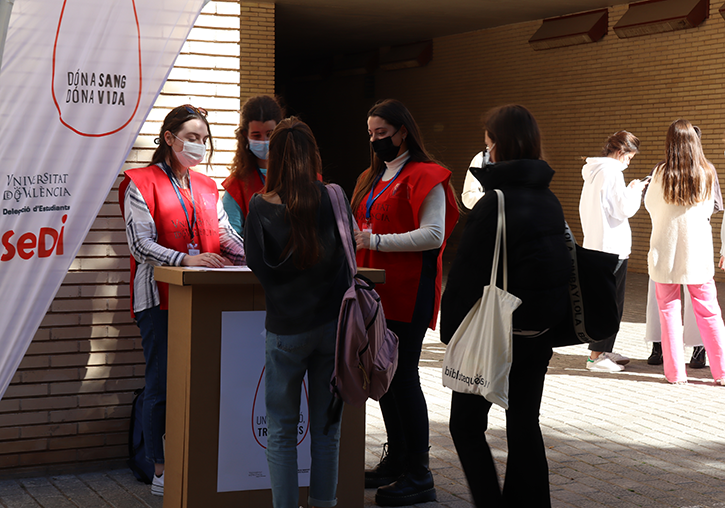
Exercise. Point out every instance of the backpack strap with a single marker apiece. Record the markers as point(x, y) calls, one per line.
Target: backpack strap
point(342, 217)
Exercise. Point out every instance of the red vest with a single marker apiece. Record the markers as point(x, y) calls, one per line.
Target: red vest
point(243, 190)
point(397, 211)
point(171, 224)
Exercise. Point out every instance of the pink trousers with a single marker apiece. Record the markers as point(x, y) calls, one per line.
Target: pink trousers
point(709, 322)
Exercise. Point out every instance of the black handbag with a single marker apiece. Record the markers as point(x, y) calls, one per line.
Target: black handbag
point(593, 313)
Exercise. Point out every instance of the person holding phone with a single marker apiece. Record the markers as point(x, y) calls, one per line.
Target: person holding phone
point(605, 207)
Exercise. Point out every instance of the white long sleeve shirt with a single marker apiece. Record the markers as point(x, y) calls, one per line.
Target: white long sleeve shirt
point(431, 232)
point(606, 205)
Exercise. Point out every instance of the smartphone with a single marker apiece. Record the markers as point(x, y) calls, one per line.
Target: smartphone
point(647, 178)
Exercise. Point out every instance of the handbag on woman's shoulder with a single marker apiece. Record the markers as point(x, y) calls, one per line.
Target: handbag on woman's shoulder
point(593, 313)
point(479, 356)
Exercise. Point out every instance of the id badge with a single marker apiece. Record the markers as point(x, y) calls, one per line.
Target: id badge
point(368, 228)
point(193, 249)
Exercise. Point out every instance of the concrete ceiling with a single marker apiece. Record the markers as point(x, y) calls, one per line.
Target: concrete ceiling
point(312, 28)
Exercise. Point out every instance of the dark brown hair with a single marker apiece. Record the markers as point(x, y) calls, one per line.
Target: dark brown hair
point(173, 123)
point(294, 163)
point(514, 130)
point(261, 108)
point(397, 115)
point(687, 177)
point(621, 142)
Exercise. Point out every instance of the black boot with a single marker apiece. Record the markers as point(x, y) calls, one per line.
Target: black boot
point(415, 486)
point(698, 358)
point(390, 467)
point(656, 357)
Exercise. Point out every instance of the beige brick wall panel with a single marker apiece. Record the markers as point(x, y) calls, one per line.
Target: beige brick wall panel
point(105, 399)
point(63, 429)
point(77, 387)
point(51, 375)
point(23, 419)
point(49, 403)
point(77, 415)
point(52, 457)
point(17, 391)
point(102, 427)
point(8, 434)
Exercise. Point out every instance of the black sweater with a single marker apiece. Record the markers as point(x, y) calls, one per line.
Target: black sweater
point(538, 260)
point(297, 300)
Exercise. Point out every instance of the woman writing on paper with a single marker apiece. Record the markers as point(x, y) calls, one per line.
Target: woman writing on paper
point(294, 249)
point(680, 201)
point(173, 217)
point(538, 271)
point(405, 210)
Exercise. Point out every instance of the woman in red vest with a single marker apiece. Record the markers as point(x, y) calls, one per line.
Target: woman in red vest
point(173, 217)
point(405, 210)
point(260, 115)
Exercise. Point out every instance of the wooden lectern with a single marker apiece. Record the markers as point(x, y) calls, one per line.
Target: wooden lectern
point(197, 299)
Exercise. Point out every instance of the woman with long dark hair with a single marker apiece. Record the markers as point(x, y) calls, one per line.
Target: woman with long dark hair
point(260, 115)
point(173, 217)
point(405, 210)
point(680, 201)
point(538, 272)
point(294, 249)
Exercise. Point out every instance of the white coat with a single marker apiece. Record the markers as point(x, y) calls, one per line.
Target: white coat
point(681, 249)
point(605, 206)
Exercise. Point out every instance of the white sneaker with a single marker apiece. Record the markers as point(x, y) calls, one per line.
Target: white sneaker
point(157, 485)
point(603, 364)
point(617, 358)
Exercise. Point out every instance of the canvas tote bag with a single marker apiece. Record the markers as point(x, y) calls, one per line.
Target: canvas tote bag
point(478, 357)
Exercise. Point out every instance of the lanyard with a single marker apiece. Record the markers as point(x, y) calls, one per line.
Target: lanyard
point(371, 198)
point(192, 223)
point(261, 176)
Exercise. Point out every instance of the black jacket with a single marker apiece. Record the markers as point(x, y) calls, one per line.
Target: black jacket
point(538, 260)
point(297, 300)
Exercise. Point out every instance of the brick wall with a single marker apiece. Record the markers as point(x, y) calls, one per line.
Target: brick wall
point(579, 95)
point(69, 403)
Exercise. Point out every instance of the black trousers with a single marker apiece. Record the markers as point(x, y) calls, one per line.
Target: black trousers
point(527, 471)
point(620, 277)
point(404, 408)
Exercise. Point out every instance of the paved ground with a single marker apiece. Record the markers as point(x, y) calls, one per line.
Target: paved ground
point(614, 440)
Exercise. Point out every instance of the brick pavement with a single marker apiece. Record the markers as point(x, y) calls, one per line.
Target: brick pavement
point(614, 440)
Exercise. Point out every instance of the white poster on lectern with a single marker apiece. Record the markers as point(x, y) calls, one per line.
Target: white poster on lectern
point(242, 414)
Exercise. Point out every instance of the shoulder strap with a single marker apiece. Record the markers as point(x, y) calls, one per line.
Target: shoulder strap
point(577, 303)
point(343, 224)
point(500, 236)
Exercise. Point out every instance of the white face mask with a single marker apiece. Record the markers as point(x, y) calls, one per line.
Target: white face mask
point(260, 149)
point(192, 153)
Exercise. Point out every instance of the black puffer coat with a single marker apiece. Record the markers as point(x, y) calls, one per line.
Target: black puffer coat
point(538, 260)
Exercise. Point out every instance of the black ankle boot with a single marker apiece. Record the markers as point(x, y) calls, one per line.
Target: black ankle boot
point(656, 357)
point(390, 467)
point(698, 358)
point(415, 486)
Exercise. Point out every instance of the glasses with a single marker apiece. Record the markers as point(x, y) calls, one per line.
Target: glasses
point(194, 110)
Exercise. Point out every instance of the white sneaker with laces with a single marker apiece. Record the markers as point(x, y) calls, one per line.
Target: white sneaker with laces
point(617, 358)
point(603, 364)
point(157, 485)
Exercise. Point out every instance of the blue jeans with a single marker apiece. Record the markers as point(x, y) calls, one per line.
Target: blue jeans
point(287, 358)
point(154, 326)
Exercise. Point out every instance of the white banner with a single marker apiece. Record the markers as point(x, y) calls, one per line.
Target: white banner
point(78, 79)
point(242, 462)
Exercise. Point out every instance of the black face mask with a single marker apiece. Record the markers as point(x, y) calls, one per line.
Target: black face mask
point(385, 149)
